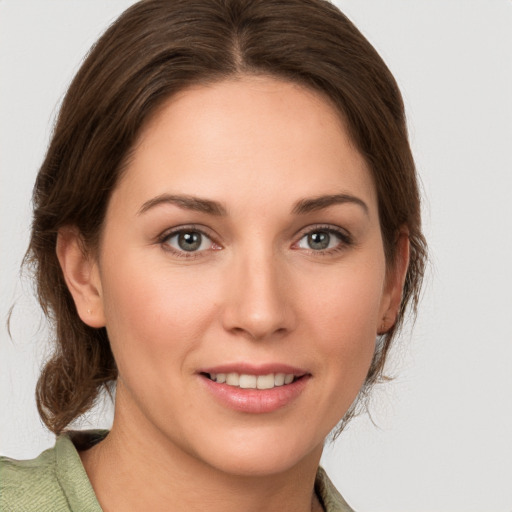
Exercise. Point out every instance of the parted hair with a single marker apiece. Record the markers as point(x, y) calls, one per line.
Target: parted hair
point(153, 50)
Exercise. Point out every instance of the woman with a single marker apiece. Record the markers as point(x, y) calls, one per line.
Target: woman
point(227, 226)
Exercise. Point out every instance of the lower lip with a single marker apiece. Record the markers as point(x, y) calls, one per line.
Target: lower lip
point(256, 401)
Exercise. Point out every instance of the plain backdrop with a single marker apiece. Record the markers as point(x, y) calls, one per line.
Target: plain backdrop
point(442, 434)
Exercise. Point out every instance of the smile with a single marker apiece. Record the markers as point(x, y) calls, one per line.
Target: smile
point(255, 391)
point(248, 381)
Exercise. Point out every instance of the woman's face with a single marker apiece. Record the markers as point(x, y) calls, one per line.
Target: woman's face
point(242, 244)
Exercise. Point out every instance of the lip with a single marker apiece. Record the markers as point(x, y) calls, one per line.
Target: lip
point(251, 369)
point(254, 401)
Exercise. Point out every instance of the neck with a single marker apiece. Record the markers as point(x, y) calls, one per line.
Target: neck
point(134, 471)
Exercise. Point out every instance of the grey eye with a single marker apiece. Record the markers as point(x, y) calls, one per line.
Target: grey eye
point(189, 241)
point(319, 240)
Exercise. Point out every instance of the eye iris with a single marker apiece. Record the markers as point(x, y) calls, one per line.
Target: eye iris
point(319, 240)
point(189, 241)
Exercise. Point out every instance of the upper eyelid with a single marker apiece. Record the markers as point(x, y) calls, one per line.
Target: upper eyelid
point(325, 227)
point(186, 227)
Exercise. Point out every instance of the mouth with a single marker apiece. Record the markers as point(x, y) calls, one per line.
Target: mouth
point(249, 381)
point(255, 389)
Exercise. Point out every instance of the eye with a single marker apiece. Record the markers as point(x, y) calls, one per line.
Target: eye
point(323, 239)
point(188, 241)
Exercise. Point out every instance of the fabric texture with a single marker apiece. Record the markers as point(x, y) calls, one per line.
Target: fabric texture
point(56, 481)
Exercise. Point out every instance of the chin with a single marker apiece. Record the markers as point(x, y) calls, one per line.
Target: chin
point(260, 453)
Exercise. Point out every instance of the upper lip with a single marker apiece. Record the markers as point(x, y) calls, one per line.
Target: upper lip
point(252, 369)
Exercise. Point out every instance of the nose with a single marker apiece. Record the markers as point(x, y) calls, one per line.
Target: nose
point(259, 301)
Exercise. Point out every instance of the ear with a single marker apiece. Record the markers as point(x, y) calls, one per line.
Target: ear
point(82, 276)
point(395, 279)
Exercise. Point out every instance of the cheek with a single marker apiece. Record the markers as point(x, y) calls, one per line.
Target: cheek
point(347, 304)
point(150, 309)
point(343, 320)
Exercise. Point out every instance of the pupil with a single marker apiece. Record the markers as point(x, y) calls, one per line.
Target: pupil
point(319, 240)
point(189, 241)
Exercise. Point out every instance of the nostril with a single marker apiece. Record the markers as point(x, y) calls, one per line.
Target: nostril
point(258, 305)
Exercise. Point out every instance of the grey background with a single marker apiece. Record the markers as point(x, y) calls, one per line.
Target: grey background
point(443, 441)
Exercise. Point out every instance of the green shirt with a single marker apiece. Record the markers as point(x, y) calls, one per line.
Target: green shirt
point(56, 481)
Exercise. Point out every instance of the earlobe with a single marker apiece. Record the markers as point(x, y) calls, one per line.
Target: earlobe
point(395, 281)
point(82, 277)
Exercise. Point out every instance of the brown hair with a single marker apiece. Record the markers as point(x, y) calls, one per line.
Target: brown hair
point(156, 48)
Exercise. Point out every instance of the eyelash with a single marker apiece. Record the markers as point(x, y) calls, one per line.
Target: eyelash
point(345, 240)
point(164, 238)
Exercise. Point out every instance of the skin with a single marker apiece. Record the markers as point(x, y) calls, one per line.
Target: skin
point(255, 291)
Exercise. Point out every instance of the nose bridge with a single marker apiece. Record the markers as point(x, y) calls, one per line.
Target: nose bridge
point(258, 303)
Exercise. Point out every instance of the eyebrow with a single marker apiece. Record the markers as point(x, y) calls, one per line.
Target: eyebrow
point(210, 207)
point(319, 203)
point(186, 202)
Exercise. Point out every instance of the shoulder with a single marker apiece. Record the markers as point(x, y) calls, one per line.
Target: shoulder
point(331, 499)
point(54, 481)
point(31, 484)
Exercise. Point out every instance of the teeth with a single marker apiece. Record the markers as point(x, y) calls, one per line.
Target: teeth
point(266, 381)
point(279, 379)
point(233, 379)
point(246, 381)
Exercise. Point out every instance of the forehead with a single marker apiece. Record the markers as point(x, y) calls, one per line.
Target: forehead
point(248, 134)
